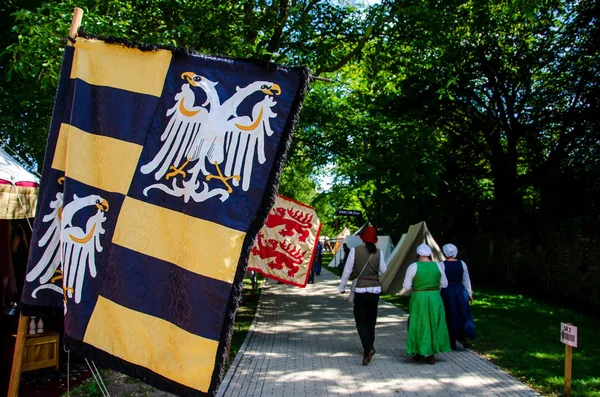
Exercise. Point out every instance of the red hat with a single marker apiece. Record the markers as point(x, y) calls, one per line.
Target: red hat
point(369, 235)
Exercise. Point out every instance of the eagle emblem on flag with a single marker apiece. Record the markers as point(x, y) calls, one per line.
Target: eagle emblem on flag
point(160, 170)
point(212, 132)
point(69, 250)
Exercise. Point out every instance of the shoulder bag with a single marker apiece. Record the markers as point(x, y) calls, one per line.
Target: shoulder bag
point(353, 285)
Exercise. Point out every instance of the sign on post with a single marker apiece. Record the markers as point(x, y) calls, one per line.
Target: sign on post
point(568, 334)
point(349, 212)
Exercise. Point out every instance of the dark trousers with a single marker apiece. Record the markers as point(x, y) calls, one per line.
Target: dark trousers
point(365, 315)
point(317, 267)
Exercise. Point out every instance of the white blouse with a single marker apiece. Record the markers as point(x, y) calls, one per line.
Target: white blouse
point(348, 272)
point(466, 280)
point(412, 270)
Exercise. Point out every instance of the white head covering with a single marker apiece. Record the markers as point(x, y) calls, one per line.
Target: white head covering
point(450, 250)
point(424, 250)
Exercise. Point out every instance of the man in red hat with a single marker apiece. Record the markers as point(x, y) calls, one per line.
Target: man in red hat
point(365, 264)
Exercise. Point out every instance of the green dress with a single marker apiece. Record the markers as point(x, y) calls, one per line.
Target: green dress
point(427, 331)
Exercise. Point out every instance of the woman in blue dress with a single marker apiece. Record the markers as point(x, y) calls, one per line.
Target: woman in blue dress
point(457, 297)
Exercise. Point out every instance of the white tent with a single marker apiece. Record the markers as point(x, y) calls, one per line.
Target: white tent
point(405, 253)
point(18, 189)
point(384, 243)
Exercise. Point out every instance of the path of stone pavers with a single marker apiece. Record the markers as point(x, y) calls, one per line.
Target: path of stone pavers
point(304, 343)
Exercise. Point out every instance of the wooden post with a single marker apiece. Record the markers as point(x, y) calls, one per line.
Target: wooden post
point(568, 367)
point(75, 24)
point(15, 373)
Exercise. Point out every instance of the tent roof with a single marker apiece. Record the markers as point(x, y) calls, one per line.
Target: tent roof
point(14, 173)
point(18, 189)
point(384, 243)
point(405, 253)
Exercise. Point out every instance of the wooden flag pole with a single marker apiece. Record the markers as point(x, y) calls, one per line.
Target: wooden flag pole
point(75, 24)
point(15, 372)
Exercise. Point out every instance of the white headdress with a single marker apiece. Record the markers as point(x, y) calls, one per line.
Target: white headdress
point(424, 250)
point(450, 250)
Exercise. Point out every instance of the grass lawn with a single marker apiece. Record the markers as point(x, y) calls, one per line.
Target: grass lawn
point(521, 335)
point(244, 316)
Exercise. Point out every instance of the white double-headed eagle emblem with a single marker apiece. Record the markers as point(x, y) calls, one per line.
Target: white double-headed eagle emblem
point(222, 144)
point(70, 250)
point(199, 144)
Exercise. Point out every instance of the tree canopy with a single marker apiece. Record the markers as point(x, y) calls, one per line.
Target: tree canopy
point(472, 114)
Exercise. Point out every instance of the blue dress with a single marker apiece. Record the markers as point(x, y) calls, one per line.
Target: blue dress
point(318, 258)
point(456, 303)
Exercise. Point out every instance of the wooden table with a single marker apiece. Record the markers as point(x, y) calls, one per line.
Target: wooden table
point(40, 351)
point(31, 352)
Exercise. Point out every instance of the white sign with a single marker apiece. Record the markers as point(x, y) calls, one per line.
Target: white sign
point(568, 334)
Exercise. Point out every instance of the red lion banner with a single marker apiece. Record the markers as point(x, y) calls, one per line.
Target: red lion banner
point(285, 246)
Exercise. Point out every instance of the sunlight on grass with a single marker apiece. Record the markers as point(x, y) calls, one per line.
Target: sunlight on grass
point(547, 356)
point(555, 381)
point(521, 335)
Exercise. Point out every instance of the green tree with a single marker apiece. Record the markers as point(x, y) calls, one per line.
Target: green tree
point(387, 161)
point(323, 35)
point(510, 86)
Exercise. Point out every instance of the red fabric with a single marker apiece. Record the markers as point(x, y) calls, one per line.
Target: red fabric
point(27, 184)
point(285, 247)
point(24, 184)
point(369, 235)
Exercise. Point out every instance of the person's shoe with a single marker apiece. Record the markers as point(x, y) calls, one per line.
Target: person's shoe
point(367, 359)
point(431, 359)
point(418, 357)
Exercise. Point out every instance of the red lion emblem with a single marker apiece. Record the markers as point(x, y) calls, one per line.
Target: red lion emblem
point(291, 257)
point(300, 222)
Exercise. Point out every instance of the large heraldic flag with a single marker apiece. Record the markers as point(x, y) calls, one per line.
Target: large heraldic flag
point(285, 247)
point(160, 170)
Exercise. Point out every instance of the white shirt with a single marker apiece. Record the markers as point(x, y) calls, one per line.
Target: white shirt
point(412, 270)
point(348, 272)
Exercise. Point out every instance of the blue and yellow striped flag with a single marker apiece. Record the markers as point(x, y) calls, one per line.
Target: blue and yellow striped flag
point(161, 167)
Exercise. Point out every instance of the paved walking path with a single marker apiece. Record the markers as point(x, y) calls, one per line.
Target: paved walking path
point(304, 343)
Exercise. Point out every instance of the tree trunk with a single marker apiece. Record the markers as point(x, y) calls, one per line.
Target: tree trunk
point(507, 205)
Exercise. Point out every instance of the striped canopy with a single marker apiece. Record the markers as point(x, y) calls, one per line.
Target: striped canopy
point(18, 189)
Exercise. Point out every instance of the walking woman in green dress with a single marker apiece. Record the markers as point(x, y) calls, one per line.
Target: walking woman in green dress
point(427, 330)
